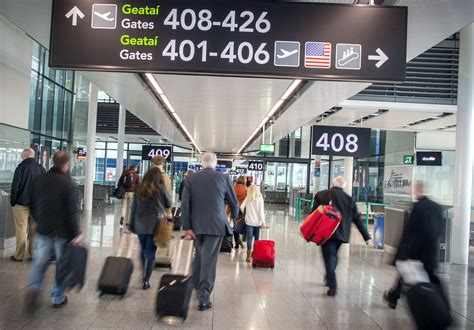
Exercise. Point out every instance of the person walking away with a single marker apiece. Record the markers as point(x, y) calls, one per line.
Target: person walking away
point(130, 180)
point(343, 203)
point(54, 206)
point(420, 241)
point(26, 172)
point(181, 185)
point(241, 192)
point(253, 207)
point(149, 204)
point(204, 220)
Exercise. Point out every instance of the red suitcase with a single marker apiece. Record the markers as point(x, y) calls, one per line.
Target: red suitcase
point(263, 254)
point(320, 225)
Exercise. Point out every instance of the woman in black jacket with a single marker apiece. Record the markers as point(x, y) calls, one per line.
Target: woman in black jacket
point(343, 203)
point(149, 204)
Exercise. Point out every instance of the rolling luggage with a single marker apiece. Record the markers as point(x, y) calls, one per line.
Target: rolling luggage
point(76, 267)
point(174, 292)
point(428, 306)
point(320, 225)
point(177, 221)
point(226, 245)
point(263, 254)
point(116, 272)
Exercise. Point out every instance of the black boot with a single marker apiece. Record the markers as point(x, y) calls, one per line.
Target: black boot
point(147, 274)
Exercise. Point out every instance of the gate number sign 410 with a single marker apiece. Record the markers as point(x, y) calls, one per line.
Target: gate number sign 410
point(256, 166)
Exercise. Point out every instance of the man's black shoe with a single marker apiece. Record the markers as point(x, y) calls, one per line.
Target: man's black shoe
point(332, 292)
point(204, 307)
point(12, 258)
point(391, 302)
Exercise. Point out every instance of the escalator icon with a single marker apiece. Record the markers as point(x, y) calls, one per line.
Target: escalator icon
point(348, 56)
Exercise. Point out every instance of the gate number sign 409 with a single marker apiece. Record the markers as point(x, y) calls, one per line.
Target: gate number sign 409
point(159, 152)
point(338, 143)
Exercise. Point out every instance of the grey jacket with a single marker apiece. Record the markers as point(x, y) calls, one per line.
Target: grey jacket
point(203, 206)
point(146, 212)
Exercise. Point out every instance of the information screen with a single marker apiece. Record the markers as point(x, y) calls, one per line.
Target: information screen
point(239, 38)
point(150, 152)
point(341, 141)
point(429, 158)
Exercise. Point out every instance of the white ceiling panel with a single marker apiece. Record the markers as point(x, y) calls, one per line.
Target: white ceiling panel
point(221, 112)
point(346, 116)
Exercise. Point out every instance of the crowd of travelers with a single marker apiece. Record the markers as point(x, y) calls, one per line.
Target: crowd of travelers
point(45, 209)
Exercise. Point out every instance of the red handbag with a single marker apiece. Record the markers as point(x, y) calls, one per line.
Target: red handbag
point(321, 224)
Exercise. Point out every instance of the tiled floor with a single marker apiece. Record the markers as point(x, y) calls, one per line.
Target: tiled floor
point(292, 296)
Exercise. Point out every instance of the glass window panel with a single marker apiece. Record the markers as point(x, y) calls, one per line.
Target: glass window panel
point(100, 145)
point(67, 114)
point(112, 145)
point(99, 165)
point(68, 80)
point(35, 101)
point(36, 57)
point(58, 112)
point(47, 107)
point(135, 146)
point(60, 77)
point(110, 167)
point(48, 72)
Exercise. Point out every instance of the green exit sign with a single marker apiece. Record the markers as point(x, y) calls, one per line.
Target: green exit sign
point(408, 159)
point(270, 148)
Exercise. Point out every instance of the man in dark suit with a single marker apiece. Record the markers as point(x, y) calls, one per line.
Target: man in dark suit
point(204, 220)
point(420, 240)
point(343, 203)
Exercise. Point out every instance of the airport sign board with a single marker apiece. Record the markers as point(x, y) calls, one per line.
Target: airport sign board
point(267, 148)
point(150, 152)
point(429, 158)
point(341, 141)
point(239, 38)
point(408, 160)
point(256, 165)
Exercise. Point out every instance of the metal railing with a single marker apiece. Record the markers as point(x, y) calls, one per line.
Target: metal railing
point(299, 201)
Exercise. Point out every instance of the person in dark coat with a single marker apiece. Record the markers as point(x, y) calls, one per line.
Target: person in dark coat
point(420, 241)
point(26, 172)
point(181, 185)
point(130, 181)
point(343, 203)
point(54, 206)
point(149, 204)
point(204, 220)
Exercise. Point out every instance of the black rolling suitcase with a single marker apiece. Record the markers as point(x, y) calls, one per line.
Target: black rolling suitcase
point(116, 273)
point(226, 245)
point(174, 292)
point(77, 264)
point(429, 306)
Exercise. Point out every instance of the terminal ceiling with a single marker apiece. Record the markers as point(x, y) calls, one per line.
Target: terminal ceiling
point(222, 112)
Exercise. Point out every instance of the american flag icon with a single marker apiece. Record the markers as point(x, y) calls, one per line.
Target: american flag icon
point(317, 55)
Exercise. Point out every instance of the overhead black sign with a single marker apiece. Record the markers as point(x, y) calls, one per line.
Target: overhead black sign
point(150, 152)
point(256, 165)
point(263, 39)
point(224, 163)
point(341, 141)
point(424, 158)
point(241, 170)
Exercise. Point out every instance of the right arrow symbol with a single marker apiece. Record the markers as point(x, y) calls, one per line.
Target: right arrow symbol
point(381, 58)
point(75, 12)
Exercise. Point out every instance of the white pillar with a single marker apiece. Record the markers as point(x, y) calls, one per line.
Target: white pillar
point(464, 145)
point(348, 172)
point(120, 142)
point(90, 161)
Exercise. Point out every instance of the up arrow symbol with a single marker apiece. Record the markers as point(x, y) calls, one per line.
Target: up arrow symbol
point(381, 58)
point(75, 12)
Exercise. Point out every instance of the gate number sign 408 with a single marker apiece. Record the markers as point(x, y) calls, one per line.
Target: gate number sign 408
point(159, 152)
point(337, 142)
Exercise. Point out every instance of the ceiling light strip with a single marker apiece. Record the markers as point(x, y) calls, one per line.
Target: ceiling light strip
point(277, 106)
point(169, 107)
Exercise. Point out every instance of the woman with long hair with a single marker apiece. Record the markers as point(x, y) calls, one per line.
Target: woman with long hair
point(241, 192)
point(253, 207)
point(149, 204)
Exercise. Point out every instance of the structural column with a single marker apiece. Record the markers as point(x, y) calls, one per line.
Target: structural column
point(120, 142)
point(464, 149)
point(90, 161)
point(348, 173)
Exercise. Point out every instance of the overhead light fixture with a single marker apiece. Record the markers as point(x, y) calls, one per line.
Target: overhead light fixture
point(169, 107)
point(423, 121)
point(277, 106)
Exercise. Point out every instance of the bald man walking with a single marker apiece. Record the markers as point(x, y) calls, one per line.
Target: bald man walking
point(26, 172)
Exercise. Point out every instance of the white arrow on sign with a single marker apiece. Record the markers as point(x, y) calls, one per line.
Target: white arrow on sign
point(381, 58)
point(75, 12)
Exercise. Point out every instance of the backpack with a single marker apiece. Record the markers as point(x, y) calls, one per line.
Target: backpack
point(128, 181)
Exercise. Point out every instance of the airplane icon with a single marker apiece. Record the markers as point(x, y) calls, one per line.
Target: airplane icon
point(287, 53)
point(105, 16)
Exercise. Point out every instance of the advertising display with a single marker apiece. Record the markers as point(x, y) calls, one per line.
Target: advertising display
point(429, 158)
point(150, 152)
point(239, 38)
point(398, 180)
point(341, 141)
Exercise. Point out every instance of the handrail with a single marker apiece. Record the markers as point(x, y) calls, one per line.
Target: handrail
point(298, 207)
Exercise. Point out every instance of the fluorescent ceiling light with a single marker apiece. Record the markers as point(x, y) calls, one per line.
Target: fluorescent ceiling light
point(273, 110)
point(154, 83)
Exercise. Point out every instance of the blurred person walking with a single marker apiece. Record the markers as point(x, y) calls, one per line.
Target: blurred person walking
point(129, 180)
point(240, 190)
point(204, 220)
point(420, 241)
point(253, 208)
point(181, 185)
point(149, 204)
point(26, 172)
point(54, 206)
point(343, 203)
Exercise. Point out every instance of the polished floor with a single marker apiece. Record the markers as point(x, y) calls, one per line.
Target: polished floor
point(292, 296)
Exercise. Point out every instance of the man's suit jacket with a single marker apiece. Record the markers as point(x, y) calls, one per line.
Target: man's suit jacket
point(204, 199)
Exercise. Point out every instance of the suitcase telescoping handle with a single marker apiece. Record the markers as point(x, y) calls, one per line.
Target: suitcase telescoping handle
point(188, 257)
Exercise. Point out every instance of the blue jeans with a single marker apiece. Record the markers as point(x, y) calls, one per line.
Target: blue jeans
point(148, 247)
point(330, 249)
point(252, 231)
point(44, 248)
